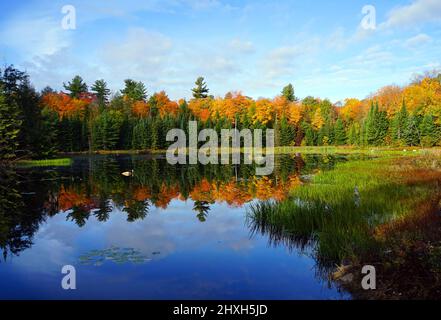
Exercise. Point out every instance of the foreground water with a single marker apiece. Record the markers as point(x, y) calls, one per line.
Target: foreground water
point(165, 232)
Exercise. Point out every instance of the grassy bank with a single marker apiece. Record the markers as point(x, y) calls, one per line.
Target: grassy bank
point(361, 210)
point(60, 162)
point(375, 151)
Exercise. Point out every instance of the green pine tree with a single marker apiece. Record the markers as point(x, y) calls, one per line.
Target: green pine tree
point(340, 137)
point(76, 87)
point(101, 91)
point(9, 128)
point(286, 133)
point(135, 91)
point(288, 93)
point(201, 90)
point(429, 136)
point(412, 132)
point(398, 124)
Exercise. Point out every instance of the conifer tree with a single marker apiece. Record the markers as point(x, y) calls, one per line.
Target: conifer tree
point(340, 137)
point(201, 90)
point(399, 123)
point(428, 131)
point(101, 91)
point(412, 133)
point(288, 93)
point(76, 87)
point(9, 128)
point(286, 133)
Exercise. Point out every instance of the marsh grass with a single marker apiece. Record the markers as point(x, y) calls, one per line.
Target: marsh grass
point(61, 162)
point(340, 209)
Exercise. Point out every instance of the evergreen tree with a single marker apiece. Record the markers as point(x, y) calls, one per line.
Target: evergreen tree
point(101, 91)
point(142, 134)
point(286, 133)
point(76, 87)
point(135, 91)
point(288, 93)
point(107, 128)
point(19, 92)
point(399, 123)
point(201, 90)
point(153, 103)
point(429, 136)
point(9, 127)
point(30, 136)
point(370, 131)
point(155, 137)
point(376, 126)
point(10, 81)
point(310, 135)
point(47, 90)
point(411, 132)
point(383, 127)
point(49, 143)
point(354, 134)
point(339, 133)
point(326, 134)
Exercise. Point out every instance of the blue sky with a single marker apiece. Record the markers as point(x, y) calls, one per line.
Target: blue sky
point(253, 46)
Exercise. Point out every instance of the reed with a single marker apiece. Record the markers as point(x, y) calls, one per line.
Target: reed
point(61, 162)
point(340, 209)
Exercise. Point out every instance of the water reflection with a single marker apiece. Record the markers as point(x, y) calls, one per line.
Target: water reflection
point(90, 214)
point(94, 186)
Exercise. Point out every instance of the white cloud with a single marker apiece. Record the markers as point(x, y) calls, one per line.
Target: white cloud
point(283, 61)
point(418, 40)
point(34, 36)
point(237, 45)
point(373, 57)
point(141, 55)
point(416, 13)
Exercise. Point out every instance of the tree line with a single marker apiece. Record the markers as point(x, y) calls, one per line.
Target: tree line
point(81, 118)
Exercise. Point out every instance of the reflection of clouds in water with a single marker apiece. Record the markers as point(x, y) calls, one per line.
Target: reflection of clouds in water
point(53, 247)
point(162, 232)
point(224, 225)
point(46, 256)
point(148, 236)
point(165, 230)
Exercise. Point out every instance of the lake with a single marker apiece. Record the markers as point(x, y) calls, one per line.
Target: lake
point(165, 232)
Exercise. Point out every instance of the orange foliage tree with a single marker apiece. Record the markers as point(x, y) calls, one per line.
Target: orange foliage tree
point(64, 105)
point(165, 105)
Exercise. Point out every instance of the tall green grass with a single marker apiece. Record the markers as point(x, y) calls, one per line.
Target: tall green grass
point(45, 163)
point(339, 209)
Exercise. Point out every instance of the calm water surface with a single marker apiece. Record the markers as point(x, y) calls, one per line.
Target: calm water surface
point(166, 232)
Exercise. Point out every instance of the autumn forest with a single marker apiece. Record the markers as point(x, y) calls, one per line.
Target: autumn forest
point(87, 117)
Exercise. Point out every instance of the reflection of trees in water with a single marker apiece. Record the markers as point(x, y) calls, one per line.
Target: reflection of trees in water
point(136, 210)
point(104, 209)
point(202, 208)
point(95, 187)
point(79, 215)
point(19, 219)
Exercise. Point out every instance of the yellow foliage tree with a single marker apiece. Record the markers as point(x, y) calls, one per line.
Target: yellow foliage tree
point(317, 119)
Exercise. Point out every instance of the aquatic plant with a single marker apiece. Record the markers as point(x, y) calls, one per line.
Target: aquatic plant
point(45, 163)
point(340, 209)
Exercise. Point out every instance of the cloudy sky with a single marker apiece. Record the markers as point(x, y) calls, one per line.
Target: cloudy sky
point(253, 46)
